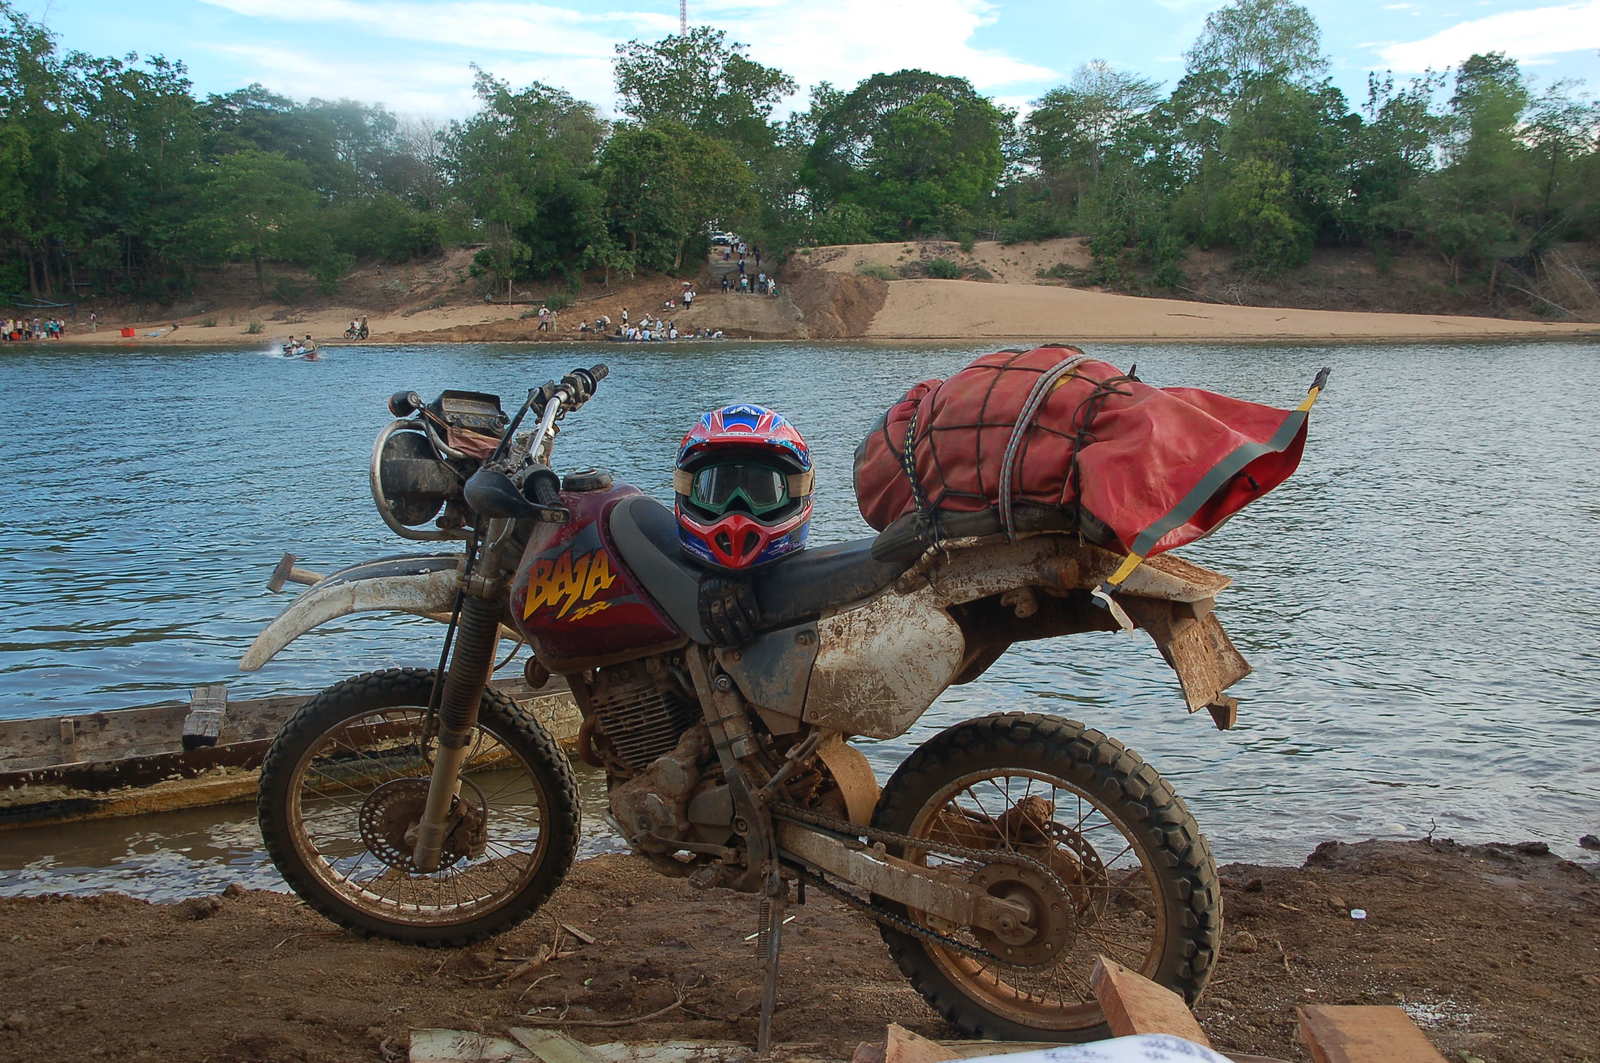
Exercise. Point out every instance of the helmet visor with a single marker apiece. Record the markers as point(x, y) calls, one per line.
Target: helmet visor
point(719, 488)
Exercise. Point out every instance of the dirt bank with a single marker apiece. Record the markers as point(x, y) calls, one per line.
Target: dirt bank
point(880, 292)
point(1008, 293)
point(1493, 951)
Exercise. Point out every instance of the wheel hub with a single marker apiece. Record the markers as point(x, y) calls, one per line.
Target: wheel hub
point(391, 812)
point(1045, 933)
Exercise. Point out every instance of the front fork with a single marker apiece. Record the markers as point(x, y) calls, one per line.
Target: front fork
point(477, 633)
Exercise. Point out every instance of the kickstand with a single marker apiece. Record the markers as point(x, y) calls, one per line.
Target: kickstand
point(769, 938)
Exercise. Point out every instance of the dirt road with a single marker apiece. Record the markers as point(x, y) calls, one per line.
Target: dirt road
point(1494, 951)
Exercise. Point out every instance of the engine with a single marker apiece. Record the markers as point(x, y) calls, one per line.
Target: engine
point(640, 712)
point(645, 729)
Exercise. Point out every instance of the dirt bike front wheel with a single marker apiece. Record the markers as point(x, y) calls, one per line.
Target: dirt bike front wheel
point(342, 788)
point(1133, 876)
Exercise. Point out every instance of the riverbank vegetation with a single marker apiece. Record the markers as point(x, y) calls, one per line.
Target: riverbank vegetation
point(117, 180)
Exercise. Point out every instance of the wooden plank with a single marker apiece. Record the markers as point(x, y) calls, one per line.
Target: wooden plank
point(553, 1046)
point(33, 743)
point(464, 1046)
point(903, 1046)
point(1133, 1004)
point(96, 735)
point(868, 1052)
point(207, 706)
point(54, 794)
point(1363, 1034)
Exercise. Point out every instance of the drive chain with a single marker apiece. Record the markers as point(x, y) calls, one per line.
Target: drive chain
point(782, 810)
point(899, 922)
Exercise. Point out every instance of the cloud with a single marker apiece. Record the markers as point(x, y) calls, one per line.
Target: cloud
point(840, 41)
point(483, 25)
point(437, 89)
point(1528, 35)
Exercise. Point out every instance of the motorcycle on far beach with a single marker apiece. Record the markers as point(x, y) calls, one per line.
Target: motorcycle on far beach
point(1002, 858)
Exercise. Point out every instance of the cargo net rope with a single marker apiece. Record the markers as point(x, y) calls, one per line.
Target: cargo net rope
point(1055, 439)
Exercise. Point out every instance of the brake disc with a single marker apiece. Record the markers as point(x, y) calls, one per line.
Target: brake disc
point(389, 817)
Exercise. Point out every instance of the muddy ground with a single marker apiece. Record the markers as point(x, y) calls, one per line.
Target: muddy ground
point(1495, 952)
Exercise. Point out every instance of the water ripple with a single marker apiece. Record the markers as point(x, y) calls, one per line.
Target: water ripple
point(1419, 602)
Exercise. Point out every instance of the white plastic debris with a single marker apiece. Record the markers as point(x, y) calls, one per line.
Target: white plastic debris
point(1358, 913)
point(1140, 1049)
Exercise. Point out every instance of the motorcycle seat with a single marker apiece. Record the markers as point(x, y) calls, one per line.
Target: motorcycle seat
point(788, 591)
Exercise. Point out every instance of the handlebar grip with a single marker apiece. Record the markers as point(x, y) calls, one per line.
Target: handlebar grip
point(545, 488)
point(404, 403)
point(599, 372)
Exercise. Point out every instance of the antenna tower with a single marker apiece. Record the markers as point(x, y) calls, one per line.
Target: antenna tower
point(683, 18)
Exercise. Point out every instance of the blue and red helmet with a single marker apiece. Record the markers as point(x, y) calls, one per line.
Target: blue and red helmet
point(743, 485)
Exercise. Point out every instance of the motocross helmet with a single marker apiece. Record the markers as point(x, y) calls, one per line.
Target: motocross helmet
point(743, 485)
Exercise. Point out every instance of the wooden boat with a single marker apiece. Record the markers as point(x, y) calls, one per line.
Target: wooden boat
point(174, 754)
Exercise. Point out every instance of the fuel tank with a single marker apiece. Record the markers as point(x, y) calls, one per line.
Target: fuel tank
point(574, 598)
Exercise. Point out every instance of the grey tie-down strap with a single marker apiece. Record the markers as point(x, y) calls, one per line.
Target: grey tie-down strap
point(1030, 409)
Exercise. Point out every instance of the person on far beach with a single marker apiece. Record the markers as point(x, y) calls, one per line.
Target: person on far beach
point(94, 321)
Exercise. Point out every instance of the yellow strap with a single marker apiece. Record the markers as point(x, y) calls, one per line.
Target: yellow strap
point(1311, 400)
point(1124, 570)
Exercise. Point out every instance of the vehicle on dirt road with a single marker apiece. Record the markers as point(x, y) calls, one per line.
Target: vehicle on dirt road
point(1000, 860)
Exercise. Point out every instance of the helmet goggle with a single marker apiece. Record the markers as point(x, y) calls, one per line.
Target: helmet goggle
point(756, 486)
point(718, 488)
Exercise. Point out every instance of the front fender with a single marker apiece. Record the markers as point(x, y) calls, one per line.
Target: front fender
point(420, 584)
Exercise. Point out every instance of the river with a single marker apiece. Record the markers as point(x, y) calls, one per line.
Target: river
point(1420, 601)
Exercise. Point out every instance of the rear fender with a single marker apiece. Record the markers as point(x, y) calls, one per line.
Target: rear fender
point(421, 584)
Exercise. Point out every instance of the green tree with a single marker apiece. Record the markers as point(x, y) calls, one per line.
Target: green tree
point(1393, 152)
point(523, 162)
point(914, 148)
point(1074, 127)
point(702, 81)
point(1249, 40)
point(663, 184)
point(1470, 210)
point(256, 205)
point(1256, 209)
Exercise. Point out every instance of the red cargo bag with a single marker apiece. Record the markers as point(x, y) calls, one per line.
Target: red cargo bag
point(1132, 467)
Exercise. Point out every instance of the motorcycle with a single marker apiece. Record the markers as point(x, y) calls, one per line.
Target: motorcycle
point(1000, 860)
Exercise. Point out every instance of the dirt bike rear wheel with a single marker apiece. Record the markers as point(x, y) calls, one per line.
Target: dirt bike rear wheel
point(344, 782)
point(1141, 885)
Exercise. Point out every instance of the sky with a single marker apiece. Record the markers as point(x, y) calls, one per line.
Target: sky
point(414, 56)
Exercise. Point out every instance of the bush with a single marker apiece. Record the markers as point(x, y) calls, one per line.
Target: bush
point(209, 322)
point(255, 328)
point(883, 273)
point(967, 244)
point(329, 267)
point(557, 302)
point(1061, 271)
point(944, 269)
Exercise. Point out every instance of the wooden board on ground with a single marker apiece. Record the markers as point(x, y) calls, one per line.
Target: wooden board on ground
point(903, 1046)
point(1363, 1034)
point(1133, 1004)
point(467, 1046)
point(553, 1046)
